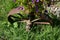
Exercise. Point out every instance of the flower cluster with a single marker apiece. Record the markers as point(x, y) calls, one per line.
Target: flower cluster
point(34, 0)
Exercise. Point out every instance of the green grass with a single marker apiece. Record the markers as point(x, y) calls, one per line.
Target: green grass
point(13, 32)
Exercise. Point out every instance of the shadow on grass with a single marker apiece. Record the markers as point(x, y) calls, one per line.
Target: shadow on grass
point(37, 28)
point(56, 22)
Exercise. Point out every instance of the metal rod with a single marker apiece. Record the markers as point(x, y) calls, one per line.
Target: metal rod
point(41, 23)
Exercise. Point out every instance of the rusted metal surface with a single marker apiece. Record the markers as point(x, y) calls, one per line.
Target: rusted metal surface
point(15, 10)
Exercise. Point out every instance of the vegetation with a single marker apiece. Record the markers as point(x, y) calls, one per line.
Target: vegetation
point(15, 32)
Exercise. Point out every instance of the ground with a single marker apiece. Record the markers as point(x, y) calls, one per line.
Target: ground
point(13, 32)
